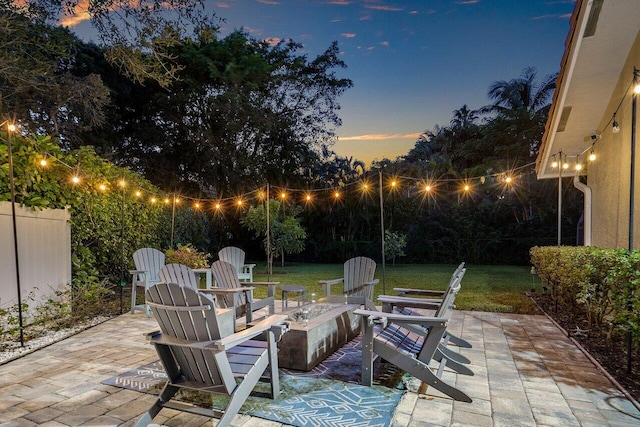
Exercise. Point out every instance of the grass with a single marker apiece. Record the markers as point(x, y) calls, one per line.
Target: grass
point(492, 288)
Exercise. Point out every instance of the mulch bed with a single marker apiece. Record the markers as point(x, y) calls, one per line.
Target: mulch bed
point(610, 353)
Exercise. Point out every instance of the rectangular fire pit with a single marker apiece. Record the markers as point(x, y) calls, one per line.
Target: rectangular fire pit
point(330, 326)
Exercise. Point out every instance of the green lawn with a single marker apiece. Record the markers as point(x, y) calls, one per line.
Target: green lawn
point(493, 288)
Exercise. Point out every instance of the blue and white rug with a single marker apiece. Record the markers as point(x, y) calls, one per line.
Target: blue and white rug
point(328, 395)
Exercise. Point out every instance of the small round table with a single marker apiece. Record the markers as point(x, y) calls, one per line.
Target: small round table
point(298, 289)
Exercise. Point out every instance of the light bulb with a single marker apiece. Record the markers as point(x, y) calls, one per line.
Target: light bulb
point(565, 166)
point(592, 156)
point(615, 127)
point(75, 180)
point(43, 162)
point(636, 88)
point(578, 167)
point(554, 164)
point(427, 188)
point(508, 180)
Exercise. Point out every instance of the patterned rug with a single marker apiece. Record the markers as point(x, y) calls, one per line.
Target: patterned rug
point(328, 395)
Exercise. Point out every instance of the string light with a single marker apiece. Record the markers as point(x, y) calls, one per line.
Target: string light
point(427, 188)
point(196, 205)
point(138, 194)
point(578, 167)
point(336, 195)
point(308, 197)
point(43, 162)
point(283, 195)
point(615, 127)
point(166, 201)
point(565, 165)
point(102, 187)
point(153, 200)
point(508, 180)
point(75, 179)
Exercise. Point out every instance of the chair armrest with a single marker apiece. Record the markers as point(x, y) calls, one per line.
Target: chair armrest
point(401, 318)
point(137, 271)
point(222, 291)
point(410, 302)
point(425, 292)
point(153, 334)
point(255, 330)
point(248, 266)
point(326, 285)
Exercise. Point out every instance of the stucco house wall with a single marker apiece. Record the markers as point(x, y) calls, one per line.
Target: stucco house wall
point(609, 175)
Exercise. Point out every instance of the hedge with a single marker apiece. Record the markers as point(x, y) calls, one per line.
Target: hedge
point(603, 281)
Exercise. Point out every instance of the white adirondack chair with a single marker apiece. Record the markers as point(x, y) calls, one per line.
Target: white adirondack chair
point(180, 274)
point(235, 256)
point(199, 351)
point(358, 280)
point(148, 262)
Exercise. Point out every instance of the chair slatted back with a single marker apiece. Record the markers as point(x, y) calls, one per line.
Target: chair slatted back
point(150, 260)
point(357, 271)
point(189, 317)
point(446, 307)
point(234, 256)
point(226, 276)
point(180, 274)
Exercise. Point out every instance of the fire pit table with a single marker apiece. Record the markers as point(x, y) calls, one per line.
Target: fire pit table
point(317, 330)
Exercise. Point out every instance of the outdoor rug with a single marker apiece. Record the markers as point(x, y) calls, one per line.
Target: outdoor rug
point(328, 395)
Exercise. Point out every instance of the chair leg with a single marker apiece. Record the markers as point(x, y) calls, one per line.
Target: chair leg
point(166, 395)
point(367, 352)
point(134, 285)
point(452, 355)
point(243, 390)
point(273, 365)
point(456, 366)
point(458, 341)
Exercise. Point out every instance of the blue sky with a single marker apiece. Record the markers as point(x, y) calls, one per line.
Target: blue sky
point(412, 62)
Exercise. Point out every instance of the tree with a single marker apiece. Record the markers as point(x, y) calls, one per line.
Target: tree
point(242, 112)
point(394, 244)
point(42, 84)
point(286, 235)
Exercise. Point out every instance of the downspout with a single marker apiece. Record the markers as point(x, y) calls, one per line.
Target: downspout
point(586, 190)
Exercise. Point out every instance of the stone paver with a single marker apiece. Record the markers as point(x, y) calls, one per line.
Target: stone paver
point(527, 373)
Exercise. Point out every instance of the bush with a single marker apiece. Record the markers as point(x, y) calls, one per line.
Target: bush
point(187, 255)
point(601, 280)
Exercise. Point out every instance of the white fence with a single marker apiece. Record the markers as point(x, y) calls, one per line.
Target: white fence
point(44, 249)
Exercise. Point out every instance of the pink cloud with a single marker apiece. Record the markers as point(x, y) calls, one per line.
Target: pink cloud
point(348, 35)
point(380, 136)
point(272, 41)
point(468, 2)
point(340, 2)
point(268, 2)
point(223, 5)
point(384, 43)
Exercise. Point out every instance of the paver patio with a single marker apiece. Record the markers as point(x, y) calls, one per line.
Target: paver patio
point(527, 373)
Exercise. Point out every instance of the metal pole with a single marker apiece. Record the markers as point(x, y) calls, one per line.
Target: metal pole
point(384, 289)
point(173, 219)
point(632, 182)
point(10, 128)
point(268, 237)
point(122, 250)
point(560, 166)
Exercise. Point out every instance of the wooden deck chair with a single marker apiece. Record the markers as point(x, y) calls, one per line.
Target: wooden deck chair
point(180, 274)
point(408, 342)
point(199, 351)
point(403, 305)
point(233, 293)
point(358, 280)
point(235, 256)
point(148, 262)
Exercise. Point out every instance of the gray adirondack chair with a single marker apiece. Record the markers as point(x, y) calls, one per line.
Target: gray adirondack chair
point(236, 256)
point(403, 304)
point(357, 281)
point(180, 274)
point(199, 351)
point(432, 293)
point(409, 342)
point(148, 262)
point(233, 293)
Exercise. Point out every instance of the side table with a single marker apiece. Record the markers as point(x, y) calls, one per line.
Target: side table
point(298, 289)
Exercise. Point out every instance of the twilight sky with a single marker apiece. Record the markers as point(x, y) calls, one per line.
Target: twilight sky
point(412, 62)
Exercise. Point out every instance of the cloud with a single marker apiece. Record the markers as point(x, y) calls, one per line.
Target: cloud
point(384, 43)
point(268, 2)
point(223, 5)
point(348, 35)
point(72, 21)
point(340, 2)
point(468, 2)
point(380, 136)
point(273, 41)
point(384, 8)
point(333, 21)
point(552, 16)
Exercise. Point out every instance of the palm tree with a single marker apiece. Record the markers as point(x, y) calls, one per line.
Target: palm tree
point(521, 93)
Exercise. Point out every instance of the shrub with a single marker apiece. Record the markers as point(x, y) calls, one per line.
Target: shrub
point(602, 281)
point(187, 255)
